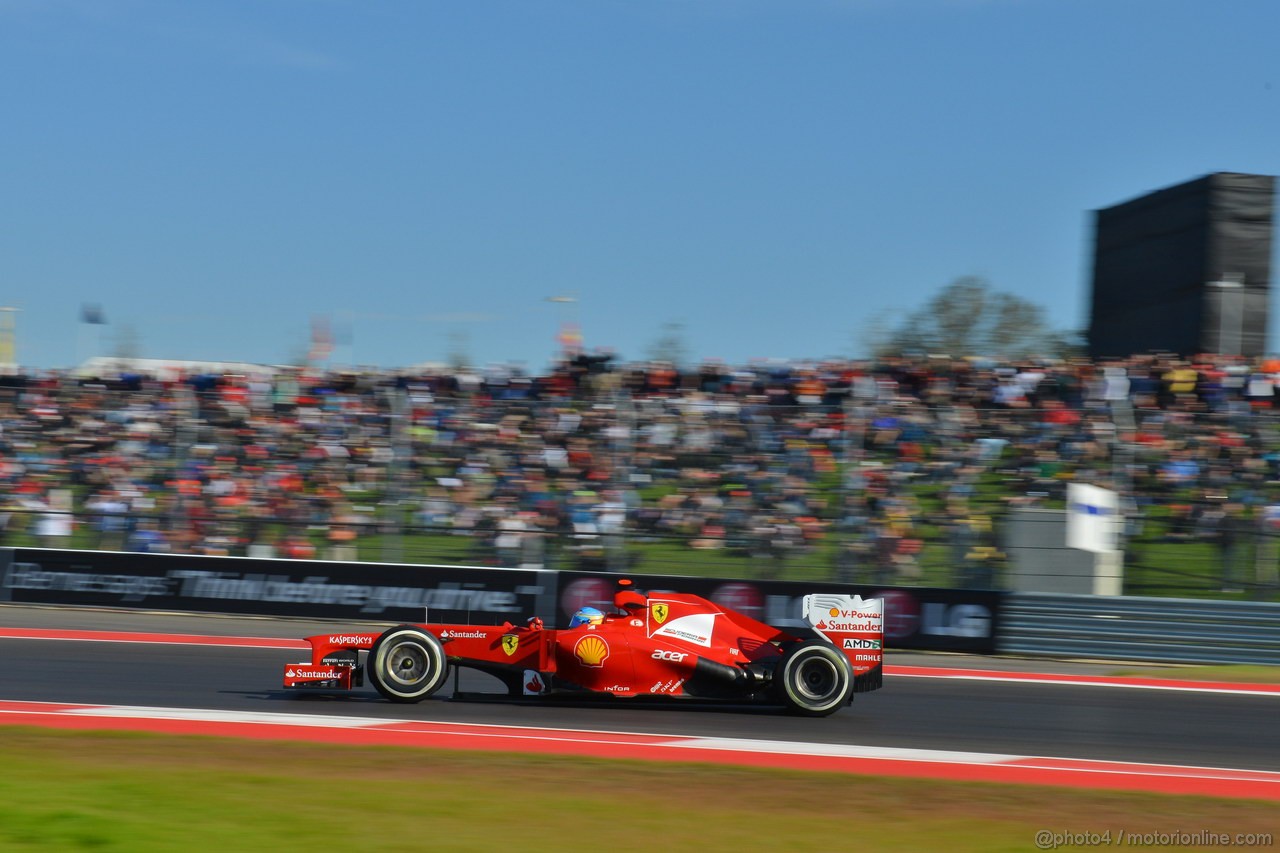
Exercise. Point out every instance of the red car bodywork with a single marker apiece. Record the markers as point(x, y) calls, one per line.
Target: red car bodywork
point(667, 644)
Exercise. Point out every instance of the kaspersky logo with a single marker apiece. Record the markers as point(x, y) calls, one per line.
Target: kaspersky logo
point(659, 612)
point(351, 639)
point(592, 650)
point(510, 642)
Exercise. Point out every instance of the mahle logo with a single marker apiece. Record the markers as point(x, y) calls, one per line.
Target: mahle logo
point(510, 642)
point(659, 612)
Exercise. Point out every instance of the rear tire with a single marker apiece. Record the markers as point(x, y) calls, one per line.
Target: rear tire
point(407, 664)
point(814, 679)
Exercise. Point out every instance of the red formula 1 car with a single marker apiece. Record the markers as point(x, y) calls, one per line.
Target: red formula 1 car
point(665, 644)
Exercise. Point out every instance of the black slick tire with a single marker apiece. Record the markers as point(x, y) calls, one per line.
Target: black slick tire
point(814, 679)
point(407, 664)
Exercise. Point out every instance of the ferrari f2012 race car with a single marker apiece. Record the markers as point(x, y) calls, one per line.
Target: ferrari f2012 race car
point(664, 644)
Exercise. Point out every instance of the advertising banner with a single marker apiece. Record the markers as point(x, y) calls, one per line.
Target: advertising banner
point(367, 591)
point(1093, 518)
point(921, 618)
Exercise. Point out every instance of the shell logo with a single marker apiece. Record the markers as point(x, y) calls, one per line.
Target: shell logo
point(591, 650)
point(834, 612)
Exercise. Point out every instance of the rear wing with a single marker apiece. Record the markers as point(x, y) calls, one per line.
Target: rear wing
point(855, 626)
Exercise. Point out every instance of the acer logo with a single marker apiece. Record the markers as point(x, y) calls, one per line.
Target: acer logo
point(677, 657)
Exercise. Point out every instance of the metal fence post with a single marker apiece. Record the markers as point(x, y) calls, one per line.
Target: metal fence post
point(397, 440)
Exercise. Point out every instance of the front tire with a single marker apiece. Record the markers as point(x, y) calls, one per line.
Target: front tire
point(814, 679)
point(407, 664)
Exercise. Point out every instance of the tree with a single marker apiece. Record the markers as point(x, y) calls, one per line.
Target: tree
point(968, 318)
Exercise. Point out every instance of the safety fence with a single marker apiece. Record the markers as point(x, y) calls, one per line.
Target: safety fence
point(921, 618)
point(1164, 561)
point(1140, 628)
point(916, 618)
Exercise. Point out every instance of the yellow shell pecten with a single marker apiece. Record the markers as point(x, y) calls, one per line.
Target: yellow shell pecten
point(591, 650)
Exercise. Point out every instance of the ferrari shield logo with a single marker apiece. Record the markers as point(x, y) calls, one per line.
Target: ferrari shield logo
point(510, 642)
point(659, 612)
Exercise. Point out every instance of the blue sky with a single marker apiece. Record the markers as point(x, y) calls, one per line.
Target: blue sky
point(773, 176)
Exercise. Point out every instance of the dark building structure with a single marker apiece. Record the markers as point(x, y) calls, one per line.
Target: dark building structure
point(1185, 269)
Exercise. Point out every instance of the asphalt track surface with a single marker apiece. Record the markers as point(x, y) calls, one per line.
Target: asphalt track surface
point(1061, 720)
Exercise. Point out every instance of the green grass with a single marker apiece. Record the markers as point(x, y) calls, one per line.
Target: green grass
point(134, 792)
point(1238, 673)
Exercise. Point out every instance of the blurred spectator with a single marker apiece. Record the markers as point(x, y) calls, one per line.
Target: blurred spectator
point(53, 518)
point(146, 538)
point(109, 517)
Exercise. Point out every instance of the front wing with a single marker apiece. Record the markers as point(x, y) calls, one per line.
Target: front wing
point(506, 651)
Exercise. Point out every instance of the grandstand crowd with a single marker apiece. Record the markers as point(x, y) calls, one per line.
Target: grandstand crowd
point(861, 462)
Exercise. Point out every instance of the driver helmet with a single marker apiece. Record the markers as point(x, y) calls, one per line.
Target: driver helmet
point(586, 616)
